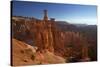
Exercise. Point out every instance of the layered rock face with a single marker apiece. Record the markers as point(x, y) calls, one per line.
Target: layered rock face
point(38, 32)
point(47, 35)
point(57, 39)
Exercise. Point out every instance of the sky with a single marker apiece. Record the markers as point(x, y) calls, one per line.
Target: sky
point(72, 13)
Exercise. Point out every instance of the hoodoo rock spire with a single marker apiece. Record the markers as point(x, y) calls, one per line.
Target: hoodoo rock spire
point(45, 15)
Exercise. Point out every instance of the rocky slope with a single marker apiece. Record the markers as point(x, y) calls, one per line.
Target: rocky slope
point(24, 54)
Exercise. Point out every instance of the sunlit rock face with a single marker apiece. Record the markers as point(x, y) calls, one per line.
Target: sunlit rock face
point(24, 54)
point(57, 37)
point(47, 35)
